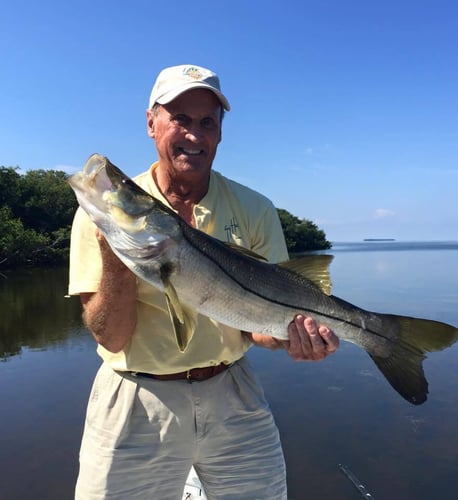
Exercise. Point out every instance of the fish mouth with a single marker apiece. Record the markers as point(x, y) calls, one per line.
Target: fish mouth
point(126, 194)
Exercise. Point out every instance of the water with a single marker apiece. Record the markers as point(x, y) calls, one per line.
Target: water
point(337, 411)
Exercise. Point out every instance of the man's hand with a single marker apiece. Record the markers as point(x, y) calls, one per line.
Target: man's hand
point(308, 341)
point(111, 262)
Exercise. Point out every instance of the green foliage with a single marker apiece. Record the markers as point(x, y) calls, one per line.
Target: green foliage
point(48, 200)
point(36, 211)
point(10, 190)
point(17, 244)
point(301, 235)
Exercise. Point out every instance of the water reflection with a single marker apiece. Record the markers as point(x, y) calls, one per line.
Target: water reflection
point(343, 411)
point(49, 362)
point(34, 311)
point(338, 411)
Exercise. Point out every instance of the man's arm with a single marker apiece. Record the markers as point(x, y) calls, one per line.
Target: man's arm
point(110, 313)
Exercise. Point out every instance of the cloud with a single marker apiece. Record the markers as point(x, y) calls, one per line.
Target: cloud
point(68, 169)
point(382, 213)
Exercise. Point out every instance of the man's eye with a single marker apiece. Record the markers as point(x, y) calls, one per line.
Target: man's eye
point(208, 123)
point(181, 119)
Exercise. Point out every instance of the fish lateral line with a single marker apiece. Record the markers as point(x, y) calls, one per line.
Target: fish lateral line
point(186, 229)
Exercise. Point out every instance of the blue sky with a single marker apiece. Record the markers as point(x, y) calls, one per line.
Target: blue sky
point(344, 112)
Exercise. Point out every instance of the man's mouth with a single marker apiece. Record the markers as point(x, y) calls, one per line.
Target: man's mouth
point(191, 152)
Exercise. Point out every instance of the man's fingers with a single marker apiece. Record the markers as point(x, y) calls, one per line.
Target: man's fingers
point(308, 341)
point(314, 336)
point(294, 347)
point(330, 338)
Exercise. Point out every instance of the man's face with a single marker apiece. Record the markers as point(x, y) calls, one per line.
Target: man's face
point(187, 131)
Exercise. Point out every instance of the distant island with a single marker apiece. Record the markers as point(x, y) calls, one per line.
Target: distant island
point(379, 239)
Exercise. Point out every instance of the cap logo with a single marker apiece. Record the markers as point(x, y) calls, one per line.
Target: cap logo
point(193, 73)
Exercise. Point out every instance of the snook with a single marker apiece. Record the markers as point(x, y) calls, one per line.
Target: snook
point(199, 273)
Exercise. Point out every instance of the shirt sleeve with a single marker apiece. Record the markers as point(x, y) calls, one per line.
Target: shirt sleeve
point(85, 260)
point(269, 240)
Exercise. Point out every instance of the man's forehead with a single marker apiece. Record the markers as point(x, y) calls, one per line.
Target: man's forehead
point(195, 99)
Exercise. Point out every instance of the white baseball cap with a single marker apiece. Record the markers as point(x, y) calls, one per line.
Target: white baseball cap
point(172, 82)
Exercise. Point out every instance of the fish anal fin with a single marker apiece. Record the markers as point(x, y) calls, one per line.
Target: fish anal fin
point(313, 267)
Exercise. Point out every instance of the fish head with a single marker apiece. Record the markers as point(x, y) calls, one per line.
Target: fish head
point(121, 209)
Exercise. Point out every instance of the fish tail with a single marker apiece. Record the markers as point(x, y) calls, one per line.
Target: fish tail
point(403, 368)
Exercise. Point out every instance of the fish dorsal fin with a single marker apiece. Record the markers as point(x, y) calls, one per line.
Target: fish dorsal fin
point(244, 251)
point(183, 319)
point(313, 267)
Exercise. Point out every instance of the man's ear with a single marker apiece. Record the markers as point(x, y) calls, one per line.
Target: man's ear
point(150, 123)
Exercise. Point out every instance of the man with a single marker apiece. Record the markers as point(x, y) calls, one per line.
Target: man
point(155, 411)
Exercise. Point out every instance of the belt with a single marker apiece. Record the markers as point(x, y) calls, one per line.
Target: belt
point(195, 374)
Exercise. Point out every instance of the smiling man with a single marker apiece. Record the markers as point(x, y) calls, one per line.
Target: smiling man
point(154, 410)
point(187, 132)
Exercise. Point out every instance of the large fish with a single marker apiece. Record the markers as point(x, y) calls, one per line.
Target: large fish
point(200, 273)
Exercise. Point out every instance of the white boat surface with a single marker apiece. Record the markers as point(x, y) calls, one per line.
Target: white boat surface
point(193, 489)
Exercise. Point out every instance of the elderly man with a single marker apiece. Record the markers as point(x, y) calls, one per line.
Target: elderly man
point(155, 411)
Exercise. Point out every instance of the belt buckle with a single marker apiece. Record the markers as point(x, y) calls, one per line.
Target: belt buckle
point(188, 375)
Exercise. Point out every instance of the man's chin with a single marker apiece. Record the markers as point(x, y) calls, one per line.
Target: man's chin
point(191, 165)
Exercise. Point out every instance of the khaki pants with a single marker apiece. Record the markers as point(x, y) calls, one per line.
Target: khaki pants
point(142, 435)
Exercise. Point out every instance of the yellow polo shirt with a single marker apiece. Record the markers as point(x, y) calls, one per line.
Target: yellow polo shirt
point(229, 212)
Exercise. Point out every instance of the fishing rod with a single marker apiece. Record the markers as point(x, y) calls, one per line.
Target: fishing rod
point(356, 482)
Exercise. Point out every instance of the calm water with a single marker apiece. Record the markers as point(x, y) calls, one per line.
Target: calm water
point(337, 411)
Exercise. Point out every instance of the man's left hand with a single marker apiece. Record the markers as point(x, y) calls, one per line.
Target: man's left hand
point(308, 341)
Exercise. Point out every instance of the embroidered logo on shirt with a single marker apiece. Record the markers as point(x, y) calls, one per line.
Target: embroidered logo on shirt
point(231, 228)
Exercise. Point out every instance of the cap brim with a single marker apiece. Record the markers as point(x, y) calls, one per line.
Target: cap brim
point(174, 93)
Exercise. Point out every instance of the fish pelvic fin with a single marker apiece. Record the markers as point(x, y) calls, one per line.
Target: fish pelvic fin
point(404, 367)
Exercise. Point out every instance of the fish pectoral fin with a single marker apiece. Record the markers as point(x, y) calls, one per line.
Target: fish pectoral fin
point(182, 318)
point(313, 267)
point(184, 330)
point(173, 302)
